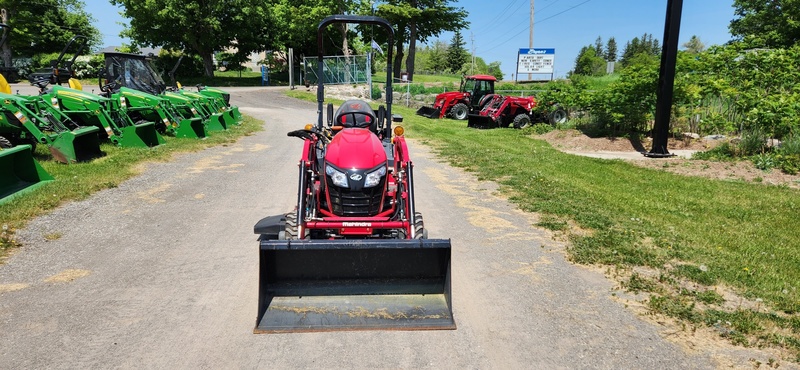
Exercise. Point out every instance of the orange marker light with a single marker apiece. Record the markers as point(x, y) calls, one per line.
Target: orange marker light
point(399, 130)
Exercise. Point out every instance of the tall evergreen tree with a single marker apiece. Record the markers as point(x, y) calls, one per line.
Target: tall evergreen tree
point(457, 56)
point(598, 47)
point(611, 50)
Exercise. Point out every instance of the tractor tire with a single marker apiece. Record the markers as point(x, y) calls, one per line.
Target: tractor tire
point(485, 100)
point(5, 143)
point(459, 111)
point(521, 121)
point(558, 116)
point(419, 228)
point(290, 230)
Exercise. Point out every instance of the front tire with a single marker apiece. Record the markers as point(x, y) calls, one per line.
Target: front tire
point(459, 111)
point(5, 143)
point(521, 121)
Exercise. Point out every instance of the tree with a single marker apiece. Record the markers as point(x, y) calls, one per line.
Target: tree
point(457, 56)
point(203, 27)
point(766, 23)
point(611, 50)
point(588, 63)
point(418, 20)
point(45, 26)
point(647, 46)
point(694, 45)
point(494, 70)
point(598, 47)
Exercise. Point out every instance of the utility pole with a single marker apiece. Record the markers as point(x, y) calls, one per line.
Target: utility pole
point(472, 37)
point(530, 40)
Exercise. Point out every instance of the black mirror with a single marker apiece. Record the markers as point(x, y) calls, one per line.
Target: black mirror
point(330, 114)
point(397, 118)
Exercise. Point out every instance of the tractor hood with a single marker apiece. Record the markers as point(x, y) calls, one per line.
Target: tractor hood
point(355, 148)
point(457, 95)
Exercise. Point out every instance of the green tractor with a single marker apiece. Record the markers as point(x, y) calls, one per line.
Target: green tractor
point(133, 71)
point(90, 109)
point(30, 120)
point(215, 100)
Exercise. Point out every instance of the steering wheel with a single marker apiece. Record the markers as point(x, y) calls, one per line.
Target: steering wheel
point(108, 88)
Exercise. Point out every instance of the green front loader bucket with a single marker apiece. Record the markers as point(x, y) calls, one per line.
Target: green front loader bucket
point(78, 145)
point(191, 128)
point(19, 172)
point(142, 135)
point(229, 118)
point(216, 122)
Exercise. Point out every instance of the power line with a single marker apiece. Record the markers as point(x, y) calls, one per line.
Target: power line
point(537, 22)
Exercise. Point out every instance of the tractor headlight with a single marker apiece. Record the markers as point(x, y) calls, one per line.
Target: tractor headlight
point(338, 177)
point(374, 177)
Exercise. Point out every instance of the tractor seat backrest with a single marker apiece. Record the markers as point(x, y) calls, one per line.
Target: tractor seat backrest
point(355, 113)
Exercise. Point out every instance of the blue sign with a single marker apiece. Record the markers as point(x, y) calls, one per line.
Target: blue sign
point(538, 51)
point(264, 76)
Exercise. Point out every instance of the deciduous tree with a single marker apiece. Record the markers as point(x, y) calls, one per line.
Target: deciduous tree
point(201, 27)
point(45, 26)
point(766, 23)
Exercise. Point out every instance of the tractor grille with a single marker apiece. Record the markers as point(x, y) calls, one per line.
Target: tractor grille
point(227, 98)
point(355, 203)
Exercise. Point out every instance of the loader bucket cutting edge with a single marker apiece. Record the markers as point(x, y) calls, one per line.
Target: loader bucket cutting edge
point(20, 172)
point(332, 285)
point(429, 112)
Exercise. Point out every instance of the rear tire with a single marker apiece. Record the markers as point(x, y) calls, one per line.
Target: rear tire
point(558, 116)
point(521, 121)
point(459, 111)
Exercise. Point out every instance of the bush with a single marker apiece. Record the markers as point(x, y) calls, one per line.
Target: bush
point(376, 92)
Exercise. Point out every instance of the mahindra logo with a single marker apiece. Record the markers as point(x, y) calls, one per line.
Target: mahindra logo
point(357, 224)
point(355, 177)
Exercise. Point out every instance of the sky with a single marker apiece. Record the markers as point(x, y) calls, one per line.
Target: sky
point(500, 28)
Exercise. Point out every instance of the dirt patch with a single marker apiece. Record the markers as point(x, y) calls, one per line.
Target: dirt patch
point(576, 142)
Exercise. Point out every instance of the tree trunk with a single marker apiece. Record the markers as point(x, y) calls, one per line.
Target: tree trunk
point(208, 63)
point(412, 49)
point(412, 45)
point(398, 56)
point(346, 52)
point(6, 51)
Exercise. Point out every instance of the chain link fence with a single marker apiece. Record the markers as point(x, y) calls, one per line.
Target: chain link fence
point(337, 70)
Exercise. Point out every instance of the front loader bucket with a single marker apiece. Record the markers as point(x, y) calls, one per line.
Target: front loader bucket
point(142, 135)
point(429, 112)
point(19, 172)
point(331, 285)
point(229, 119)
point(236, 114)
point(79, 145)
point(215, 122)
point(478, 121)
point(191, 128)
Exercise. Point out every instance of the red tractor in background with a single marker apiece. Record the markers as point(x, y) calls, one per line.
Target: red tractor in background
point(502, 111)
point(459, 104)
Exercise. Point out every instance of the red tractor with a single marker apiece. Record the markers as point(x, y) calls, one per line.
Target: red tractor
point(502, 111)
point(354, 252)
point(458, 104)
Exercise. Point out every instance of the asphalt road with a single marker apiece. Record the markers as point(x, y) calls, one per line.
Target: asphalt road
point(161, 272)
